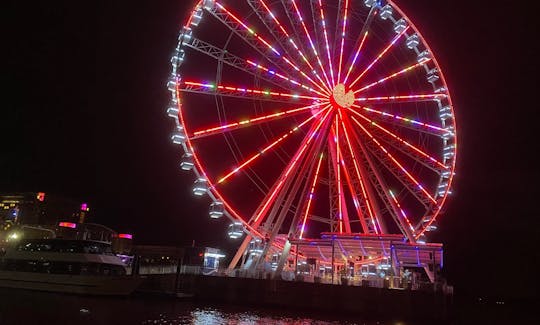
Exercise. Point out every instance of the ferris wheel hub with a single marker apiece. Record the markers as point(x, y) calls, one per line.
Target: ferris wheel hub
point(341, 97)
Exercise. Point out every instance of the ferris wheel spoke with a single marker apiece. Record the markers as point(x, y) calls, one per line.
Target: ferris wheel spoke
point(279, 75)
point(283, 203)
point(397, 169)
point(355, 196)
point(307, 171)
point(361, 40)
point(240, 92)
point(312, 45)
point(296, 27)
point(356, 55)
point(278, 185)
point(269, 19)
point(368, 219)
point(393, 75)
point(315, 30)
point(325, 33)
point(409, 150)
point(335, 155)
point(307, 210)
point(343, 34)
point(376, 184)
point(402, 212)
point(335, 43)
point(405, 122)
point(251, 122)
point(281, 34)
point(268, 147)
point(379, 56)
point(403, 146)
point(401, 98)
point(243, 31)
point(247, 66)
point(257, 42)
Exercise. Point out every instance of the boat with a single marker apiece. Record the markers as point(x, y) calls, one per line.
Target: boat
point(66, 265)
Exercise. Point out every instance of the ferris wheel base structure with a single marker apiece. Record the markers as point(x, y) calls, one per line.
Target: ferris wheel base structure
point(356, 257)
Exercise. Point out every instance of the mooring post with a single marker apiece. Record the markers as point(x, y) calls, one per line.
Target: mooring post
point(178, 270)
point(135, 265)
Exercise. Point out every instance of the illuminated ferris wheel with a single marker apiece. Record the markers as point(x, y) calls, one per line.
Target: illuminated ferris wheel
point(308, 118)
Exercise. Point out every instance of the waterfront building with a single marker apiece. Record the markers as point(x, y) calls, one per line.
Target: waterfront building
point(33, 208)
point(17, 208)
point(166, 259)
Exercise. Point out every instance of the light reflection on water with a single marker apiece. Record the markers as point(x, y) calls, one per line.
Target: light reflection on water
point(213, 315)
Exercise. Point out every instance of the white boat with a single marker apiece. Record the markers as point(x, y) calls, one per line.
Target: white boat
point(71, 266)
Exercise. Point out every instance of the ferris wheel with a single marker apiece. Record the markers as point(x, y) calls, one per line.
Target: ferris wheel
point(309, 117)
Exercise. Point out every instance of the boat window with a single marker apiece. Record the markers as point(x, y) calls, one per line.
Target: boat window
point(60, 267)
point(44, 247)
point(65, 246)
point(92, 249)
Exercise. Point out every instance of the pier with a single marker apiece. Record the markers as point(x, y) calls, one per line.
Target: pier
point(381, 303)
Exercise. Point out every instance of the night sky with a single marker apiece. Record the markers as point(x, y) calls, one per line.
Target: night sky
point(83, 116)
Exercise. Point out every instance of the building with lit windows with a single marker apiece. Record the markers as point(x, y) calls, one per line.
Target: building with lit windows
point(21, 208)
point(41, 215)
point(39, 208)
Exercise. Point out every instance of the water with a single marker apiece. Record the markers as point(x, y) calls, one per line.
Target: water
point(32, 307)
point(23, 307)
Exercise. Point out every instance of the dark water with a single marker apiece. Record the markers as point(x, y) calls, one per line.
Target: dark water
point(32, 307)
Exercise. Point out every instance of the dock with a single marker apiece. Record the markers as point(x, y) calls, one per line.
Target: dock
point(367, 302)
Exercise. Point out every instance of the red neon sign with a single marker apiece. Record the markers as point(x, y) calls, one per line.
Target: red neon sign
point(68, 224)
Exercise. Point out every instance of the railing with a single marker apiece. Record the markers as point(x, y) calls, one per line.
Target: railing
point(158, 269)
point(391, 282)
point(173, 269)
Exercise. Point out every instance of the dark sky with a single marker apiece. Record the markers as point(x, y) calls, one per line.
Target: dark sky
point(83, 116)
